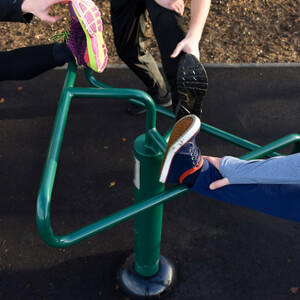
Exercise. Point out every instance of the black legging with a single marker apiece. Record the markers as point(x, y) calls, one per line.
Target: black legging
point(29, 62)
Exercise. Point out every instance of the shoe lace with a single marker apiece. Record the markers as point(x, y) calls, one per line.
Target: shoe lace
point(195, 153)
point(59, 36)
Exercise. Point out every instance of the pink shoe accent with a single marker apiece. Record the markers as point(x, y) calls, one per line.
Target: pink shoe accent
point(105, 59)
point(83, 8)
point(90, 16)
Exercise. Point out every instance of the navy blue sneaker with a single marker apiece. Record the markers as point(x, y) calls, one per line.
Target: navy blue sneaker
point(182, 157)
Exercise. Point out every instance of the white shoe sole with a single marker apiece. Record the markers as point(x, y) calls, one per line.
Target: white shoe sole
point(182, 132)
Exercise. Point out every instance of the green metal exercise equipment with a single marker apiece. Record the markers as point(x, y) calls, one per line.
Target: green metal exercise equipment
point(146, 273)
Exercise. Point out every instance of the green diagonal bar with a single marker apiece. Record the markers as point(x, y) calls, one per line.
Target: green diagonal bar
point(278, 144)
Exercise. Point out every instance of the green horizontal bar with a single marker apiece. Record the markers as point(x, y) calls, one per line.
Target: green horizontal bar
point(101, 225)
point(93, 81)
point(204, 127)
point(275, 145)
point(232, 138)
point(131, 95)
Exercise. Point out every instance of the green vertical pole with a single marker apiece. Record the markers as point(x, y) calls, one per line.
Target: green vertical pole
point(148, 225)
point(147, 274)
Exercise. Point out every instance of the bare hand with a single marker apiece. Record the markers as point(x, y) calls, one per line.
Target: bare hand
point(187, 45)
point(176, 5)
point(215, 161)
point(40, 8)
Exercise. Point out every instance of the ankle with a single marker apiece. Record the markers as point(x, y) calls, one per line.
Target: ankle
point(190, 180)
point(62, 54)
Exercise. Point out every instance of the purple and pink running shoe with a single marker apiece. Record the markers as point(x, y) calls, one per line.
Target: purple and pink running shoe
point(85, 36)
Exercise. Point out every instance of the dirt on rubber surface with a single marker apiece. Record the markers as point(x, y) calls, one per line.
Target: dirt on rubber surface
point(256, 31)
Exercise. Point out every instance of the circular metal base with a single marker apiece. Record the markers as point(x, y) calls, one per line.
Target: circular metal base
point(136, 286)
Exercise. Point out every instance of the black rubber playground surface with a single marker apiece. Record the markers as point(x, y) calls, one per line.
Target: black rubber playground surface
point(220, 251)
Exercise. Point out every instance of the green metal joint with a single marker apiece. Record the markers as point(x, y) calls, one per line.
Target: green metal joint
point(156, 141)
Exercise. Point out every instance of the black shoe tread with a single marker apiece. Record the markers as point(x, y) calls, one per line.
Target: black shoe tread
point(192, 85)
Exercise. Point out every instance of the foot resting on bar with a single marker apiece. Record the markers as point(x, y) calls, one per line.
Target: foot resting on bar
point(271, 186)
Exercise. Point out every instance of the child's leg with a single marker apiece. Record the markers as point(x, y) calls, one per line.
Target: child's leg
point(280, 200)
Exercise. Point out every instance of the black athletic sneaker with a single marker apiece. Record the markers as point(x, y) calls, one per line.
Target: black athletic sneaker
point(163, 101)
point(191, 86)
